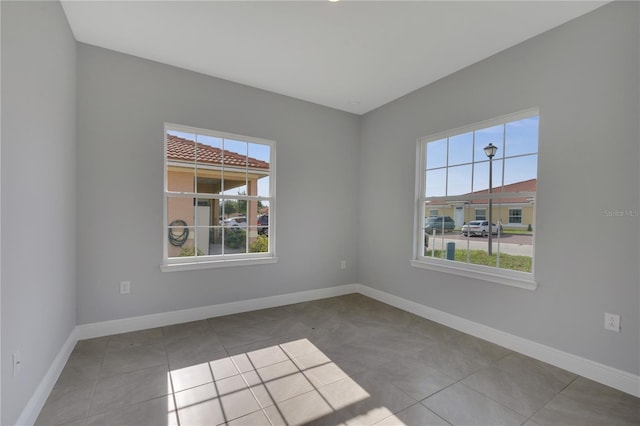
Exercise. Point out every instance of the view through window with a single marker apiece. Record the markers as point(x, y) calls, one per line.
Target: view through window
point(457, 202)
point(218, 196)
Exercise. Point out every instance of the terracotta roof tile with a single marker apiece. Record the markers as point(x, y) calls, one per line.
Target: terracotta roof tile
point(524, 186)
point(181, 149)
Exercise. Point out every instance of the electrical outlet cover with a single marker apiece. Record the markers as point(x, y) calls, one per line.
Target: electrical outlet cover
point(125, 287)
point(612, 322)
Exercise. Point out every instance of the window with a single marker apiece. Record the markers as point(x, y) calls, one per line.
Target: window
point(515, 216)
point(433, 212)
point(219, 195)
point(453, 178)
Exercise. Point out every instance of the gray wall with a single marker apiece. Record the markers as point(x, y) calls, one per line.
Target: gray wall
point(123, 102)
point(38, 194)
point(584, 78)
point(345, 188)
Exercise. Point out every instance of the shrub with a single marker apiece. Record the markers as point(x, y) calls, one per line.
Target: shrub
point(190, 251)
point(235, 238)
point(529, 228)
point(260, 245)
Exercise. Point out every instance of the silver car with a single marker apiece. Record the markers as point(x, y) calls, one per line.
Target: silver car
point(478, 227)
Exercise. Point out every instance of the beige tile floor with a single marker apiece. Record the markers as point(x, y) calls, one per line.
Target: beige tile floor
point(346, 360)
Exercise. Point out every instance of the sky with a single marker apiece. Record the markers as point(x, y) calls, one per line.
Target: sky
point(468, 165)
point(250, 149)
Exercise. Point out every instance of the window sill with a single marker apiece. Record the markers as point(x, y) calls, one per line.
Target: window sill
point(212, 264)
point(504, 279)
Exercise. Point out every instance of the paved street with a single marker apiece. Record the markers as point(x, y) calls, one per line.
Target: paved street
point(515, 244)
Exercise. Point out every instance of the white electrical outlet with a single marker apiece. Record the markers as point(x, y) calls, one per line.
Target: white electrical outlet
point(17, 363)
point(343, 264)
point(612, 322)
point(125, 287)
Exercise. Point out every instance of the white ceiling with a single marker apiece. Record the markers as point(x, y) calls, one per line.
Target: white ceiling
point(352, 55)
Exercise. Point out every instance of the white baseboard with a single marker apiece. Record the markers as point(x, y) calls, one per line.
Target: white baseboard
point(36, 402)
point(615, 378)
point(600, 373)
point(87, 331)
point(106, 328)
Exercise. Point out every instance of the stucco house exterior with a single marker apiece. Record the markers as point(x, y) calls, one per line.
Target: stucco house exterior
point(512, 213)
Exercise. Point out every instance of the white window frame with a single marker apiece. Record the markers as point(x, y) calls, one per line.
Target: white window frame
point(520, 216)
point(170, 264)
point(524, 280)
point(484, 216)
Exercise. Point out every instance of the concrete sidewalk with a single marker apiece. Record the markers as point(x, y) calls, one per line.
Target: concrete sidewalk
point(520, 245)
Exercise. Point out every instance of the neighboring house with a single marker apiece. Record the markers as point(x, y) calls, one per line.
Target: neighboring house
point(240, 173)
point(515, 213)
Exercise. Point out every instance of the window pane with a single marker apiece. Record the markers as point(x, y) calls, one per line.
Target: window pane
point(181, 241)
point(521, 137)
point(235, 183)
point(459, 180)
point(203, 240)
point(180, 178)
point(209, 212)
point(207, 215)
point(258, 163)
point(263, 186)
point(520, 169)
point(436, 183)
point(481, 175)
point(180, 210)
point(209, 183)
point(259, 155)
point(516, 250)
point(263, 207)
point(252, 212)
point(492, 135)
point(235, 153)
point(181, 156)
point(209, 170)
point(436, 154)
point(461, 149)
point(231, 209)
point(258, 240)
point(235, 240)
point(180, 230)
point(235, 167)
point(215, 240)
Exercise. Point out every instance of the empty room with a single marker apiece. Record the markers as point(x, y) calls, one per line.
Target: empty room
point(320, 212)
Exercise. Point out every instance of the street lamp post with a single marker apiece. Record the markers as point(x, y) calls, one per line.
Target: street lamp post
point(490, 150)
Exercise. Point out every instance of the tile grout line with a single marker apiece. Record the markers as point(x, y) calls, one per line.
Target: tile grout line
point(173, 394)
point(554, 397)
point(95, 385)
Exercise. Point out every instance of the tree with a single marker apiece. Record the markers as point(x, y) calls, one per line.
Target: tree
point(228, 207)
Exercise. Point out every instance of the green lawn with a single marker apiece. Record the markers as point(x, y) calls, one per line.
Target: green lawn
point(481, 257)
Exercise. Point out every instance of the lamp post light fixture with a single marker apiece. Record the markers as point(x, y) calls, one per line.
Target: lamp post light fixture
point(490, 150)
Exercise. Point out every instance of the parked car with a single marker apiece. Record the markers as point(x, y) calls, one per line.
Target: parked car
point(263, 224)
point(439, 223)
point(478, 227)
point(236, 222)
